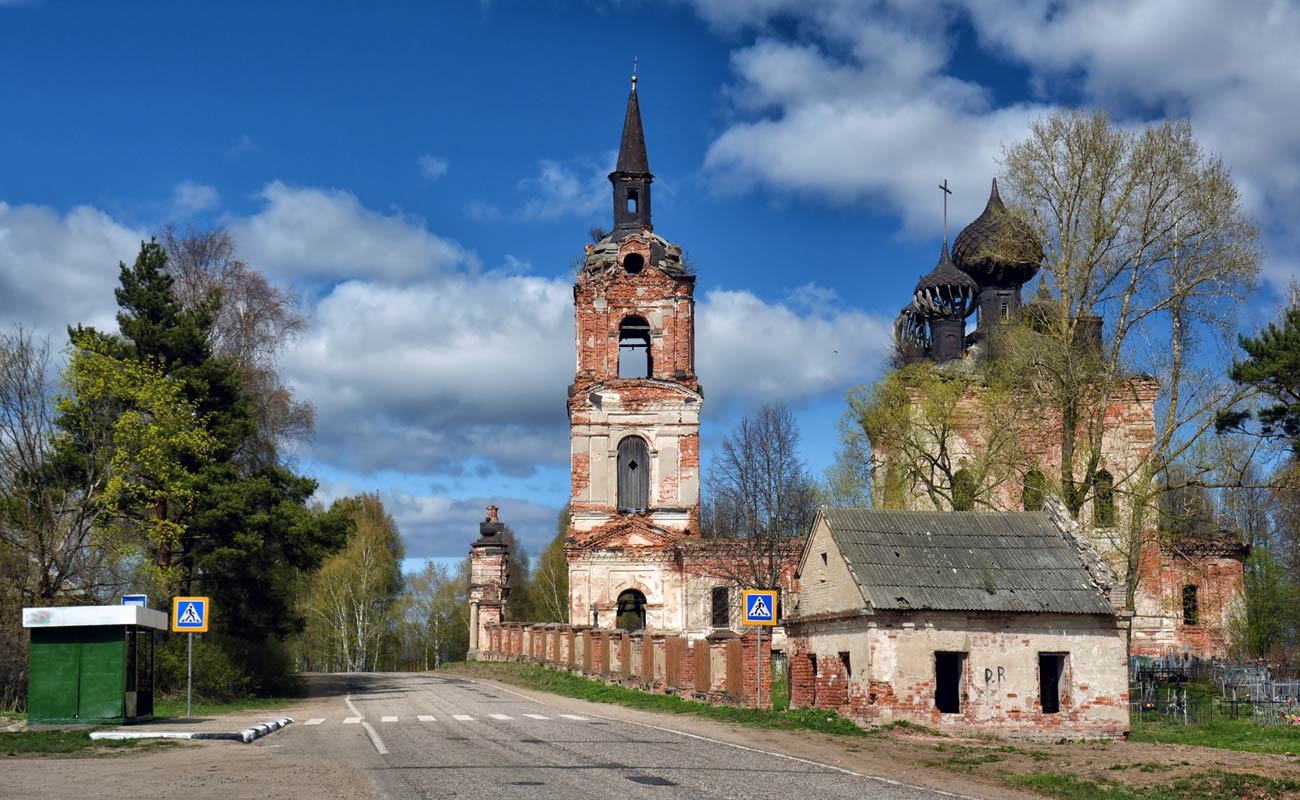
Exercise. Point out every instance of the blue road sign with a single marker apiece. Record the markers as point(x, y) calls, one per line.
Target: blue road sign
point(189, 614)
point(760, 606)
point(135, 600)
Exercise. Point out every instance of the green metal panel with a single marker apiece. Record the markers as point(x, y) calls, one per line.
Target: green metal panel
point(78, 674)
point(52, 684)
point(103, 673)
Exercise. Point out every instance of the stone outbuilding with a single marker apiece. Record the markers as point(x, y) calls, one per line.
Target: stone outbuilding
point(984, 621)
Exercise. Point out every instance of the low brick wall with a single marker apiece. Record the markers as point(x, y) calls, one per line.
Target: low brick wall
point(718, 669)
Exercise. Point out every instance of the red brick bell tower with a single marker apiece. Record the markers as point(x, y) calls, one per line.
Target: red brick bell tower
point(634, 406)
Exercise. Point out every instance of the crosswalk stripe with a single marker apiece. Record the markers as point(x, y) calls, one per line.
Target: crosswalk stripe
point(535, 716)
point(314, 721)
point(462, 717)
point(425, 718)
point(388, 719)
point(575, 717)
point(500, 716)
point(351, 720)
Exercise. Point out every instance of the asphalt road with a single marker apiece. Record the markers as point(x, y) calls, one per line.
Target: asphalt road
point(420, 736)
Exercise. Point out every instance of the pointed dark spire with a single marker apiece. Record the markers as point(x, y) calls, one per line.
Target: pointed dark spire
point(631, 151)
point(631, 176)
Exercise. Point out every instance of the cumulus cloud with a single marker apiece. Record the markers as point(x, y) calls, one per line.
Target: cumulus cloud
point(306, 234)
point(190, 197)
point(58, 269)
point(753, 351)
point(432, 167)
point(577, 188)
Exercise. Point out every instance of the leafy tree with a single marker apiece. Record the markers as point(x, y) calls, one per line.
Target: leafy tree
point(435, 618)
point(252, 321)
point(246, 535)
point(761, 497)
point(519, 577)
point(352, 596)
point(550, 589)
point(1271, 368)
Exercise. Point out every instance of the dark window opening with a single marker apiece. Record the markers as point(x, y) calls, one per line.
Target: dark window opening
point(1191, 606)
point(847, 663)
point(948, 669)
point(633, 474)
point(633, 263)
point(1051, 681)
point(1035, 490)
point(824, 561)
point(963, 491)
point(634, 348)
point(1103, 500)
point(721, 607)
point(812, 660)
point(631, 611)
point(1004, 310)
point(631, 201)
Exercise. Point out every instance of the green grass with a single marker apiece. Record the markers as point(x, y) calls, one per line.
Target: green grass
point(1223, 733)
point(174, 706)
point(1213, 785)
point(563, 683)
point(60, 742)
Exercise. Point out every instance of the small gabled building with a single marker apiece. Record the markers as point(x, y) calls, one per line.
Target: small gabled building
point(972, 621)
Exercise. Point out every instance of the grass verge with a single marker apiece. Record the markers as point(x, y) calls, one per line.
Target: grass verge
point(1225, 734)
point(1213, 785)
point(62, 743)
point(563, 683)
point(174, 706)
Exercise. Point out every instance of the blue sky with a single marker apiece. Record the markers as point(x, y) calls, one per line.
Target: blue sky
point(422, 176)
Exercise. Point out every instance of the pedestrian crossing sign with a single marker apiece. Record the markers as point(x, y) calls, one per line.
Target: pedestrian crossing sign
point(760, 606)
point(189, 615)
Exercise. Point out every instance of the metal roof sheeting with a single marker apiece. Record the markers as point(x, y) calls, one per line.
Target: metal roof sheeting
point(964, 561)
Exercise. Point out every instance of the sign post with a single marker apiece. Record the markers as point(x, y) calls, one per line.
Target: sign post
point(189, 615)
point(760, 610)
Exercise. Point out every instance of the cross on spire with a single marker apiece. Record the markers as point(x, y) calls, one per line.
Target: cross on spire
point(946, 192)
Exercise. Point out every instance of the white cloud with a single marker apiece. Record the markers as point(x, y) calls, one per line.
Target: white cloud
point(326, 234)
point(190, 197)
point(432, 167)
point(752, 351)
point(860, 102)
point(577, 188)
point(59, 269)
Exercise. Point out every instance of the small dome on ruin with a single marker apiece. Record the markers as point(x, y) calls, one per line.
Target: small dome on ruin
point(997, 249)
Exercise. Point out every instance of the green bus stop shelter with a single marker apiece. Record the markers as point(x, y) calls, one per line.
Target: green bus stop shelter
point(91, 664)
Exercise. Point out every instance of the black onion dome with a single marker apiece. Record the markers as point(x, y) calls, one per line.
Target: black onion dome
point(1020, 251)
point(911, 336)
point(945, 291)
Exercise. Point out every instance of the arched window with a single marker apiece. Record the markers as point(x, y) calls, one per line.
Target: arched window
point(963, 491)
point(634, 348)
point(721, 606)
point(633, 474)
point(631, 611)
point(1191, 605)
point(1103, 500)
point(1035, 489)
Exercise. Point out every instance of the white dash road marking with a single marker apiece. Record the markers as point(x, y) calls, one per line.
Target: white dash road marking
point(425, 718)
point(462, 717)
point(349, 721)
point(500, 716)
point(314, 721)
point(530, 716)
point(388, 719)
point(370, 729)
point(575, 717)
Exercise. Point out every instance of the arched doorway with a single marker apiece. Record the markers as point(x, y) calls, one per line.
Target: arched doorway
point(631, 611)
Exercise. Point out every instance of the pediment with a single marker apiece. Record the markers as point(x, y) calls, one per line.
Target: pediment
point(628, 532)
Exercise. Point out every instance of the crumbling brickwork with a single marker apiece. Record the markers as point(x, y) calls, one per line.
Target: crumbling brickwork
point(1164, 568)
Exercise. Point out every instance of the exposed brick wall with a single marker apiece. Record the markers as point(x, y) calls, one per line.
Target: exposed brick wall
point(891, 671)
